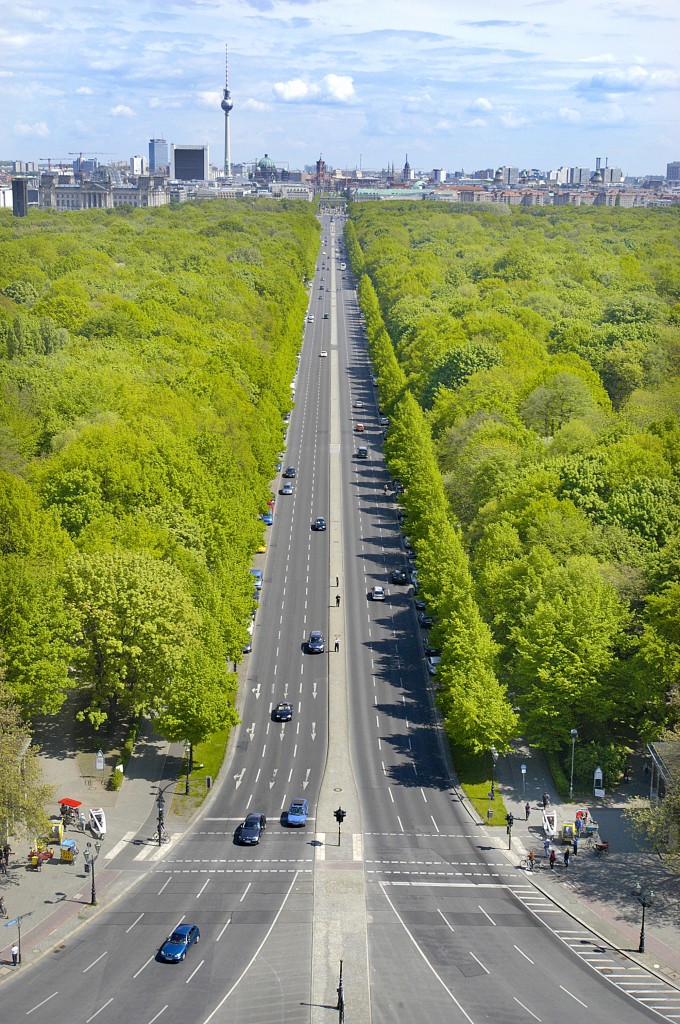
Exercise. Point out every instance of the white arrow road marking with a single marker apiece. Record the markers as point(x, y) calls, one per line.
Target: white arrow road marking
point(313, 730)
point(239, 777)
point(314, 690)
point(306, 780)
point(251, 730)
point(256, 691)
point(274, 774)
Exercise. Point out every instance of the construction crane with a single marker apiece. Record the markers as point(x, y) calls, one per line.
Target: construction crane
point(79, 173)
point(59, 161)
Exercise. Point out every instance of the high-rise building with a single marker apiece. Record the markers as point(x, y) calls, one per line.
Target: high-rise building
point(189, 163)
point(137, 165)
point(227, 105)
point(20, 197)
point(673, 171)
point(159, 160)
point(439, 174)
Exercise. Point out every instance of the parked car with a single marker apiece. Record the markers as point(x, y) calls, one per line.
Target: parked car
point(267, 518)
point(297, 812)
point(432, 663)
point(399, 577)
point(430, 651)
point(378, 593)
point(283, 712)
point(250, 831)
point(425, 620)
point(176, 945)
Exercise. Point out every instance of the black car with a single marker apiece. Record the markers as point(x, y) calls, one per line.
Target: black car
point(430, 651)
point(283, 712)
point(425, 620)
point(319, 523)
point(290, 472)
point(250, 830)
point(399, 576)
point(316, 643)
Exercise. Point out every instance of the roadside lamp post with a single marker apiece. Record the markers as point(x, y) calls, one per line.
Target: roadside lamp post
point(574, 737)
point(160, 800)
point(494, 759)
point(90, 856)
point(644, 898)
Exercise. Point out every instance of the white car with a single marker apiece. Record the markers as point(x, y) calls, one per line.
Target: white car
point(323, 353)
point(378, 593)
point(310, 318)
point(432, 663)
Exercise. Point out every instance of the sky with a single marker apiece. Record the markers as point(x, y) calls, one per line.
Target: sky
point(362, 83)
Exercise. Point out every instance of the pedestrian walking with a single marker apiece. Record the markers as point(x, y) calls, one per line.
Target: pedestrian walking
point(575, 845)
point(6, 850)
point(553, 858)
point(337, 581)
point(15, 954)
point(3, 908)
point(546, 800)
point(546, 846)
point(532, 859)
point(337, 644)
point(527, 810)
point(337, 600)
point(579, 824)
point(566, 857)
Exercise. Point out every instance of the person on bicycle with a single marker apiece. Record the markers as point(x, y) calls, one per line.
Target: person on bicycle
point(531, 859)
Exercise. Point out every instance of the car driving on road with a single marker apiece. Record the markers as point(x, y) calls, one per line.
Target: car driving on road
point(319, 523)
point(316, 643)
point(250, 831)
point(290, 473)
point(283, 712)
point(378, 593)
point(286, 489)
point(297, 812)
point(176, 945)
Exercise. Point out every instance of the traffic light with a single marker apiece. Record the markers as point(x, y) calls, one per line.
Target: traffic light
point(340, 815)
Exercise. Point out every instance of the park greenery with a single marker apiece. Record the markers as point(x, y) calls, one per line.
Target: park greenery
point(145, 358)
point(528, 360)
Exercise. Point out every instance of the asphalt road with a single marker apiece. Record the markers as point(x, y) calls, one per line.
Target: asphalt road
point(456, 932)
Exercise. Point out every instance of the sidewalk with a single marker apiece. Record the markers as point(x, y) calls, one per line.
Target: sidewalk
point(596, 890)
point(56, 900)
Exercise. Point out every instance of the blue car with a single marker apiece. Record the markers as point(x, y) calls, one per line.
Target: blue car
point(297, 812)
point(267, 518)
point(176, 945)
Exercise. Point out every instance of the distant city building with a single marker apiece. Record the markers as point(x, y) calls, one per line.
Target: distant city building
point(159, 156)
point(137, 165)
point(62, 192)
point(439, 175)
point(24, 167)
point(579, 175)
point(189, 163)
point(407, 174)
point(227, 105)
point(20, 197)
point(673, 171)
point(507, 176)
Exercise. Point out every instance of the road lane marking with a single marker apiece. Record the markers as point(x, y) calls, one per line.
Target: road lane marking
point(135, 922)
point(158, 1014)
point(163, 887)
point(96, 961)
point(96, 1014)
point(487, 915)
point(435, 823)
point(256, 954)
point(37, 1007)
point(423, 794)
point(400, 824)
point(526, 1008)
point(201, 890)
point(391, 796)
point(246, 892)
point(143, 965)
point(197, 968)
point(479, 962)
point(522, 953)
point(584, 1005)
point(115, 850)
point(447, 923)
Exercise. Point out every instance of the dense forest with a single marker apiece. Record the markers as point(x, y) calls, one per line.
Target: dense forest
point(145, 359)
point(529, 363)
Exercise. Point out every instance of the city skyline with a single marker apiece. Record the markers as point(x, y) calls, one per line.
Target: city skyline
point(358, 85)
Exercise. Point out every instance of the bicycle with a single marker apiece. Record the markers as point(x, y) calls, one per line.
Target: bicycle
point(527, 864)
point(165, 836)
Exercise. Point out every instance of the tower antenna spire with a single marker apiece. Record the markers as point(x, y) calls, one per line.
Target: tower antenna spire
point(227, 105)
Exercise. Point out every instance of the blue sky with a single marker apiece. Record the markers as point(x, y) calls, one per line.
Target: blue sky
point(456, 85)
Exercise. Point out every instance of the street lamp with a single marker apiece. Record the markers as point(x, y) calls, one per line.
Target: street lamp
point(644, 898)
point(90, 856)
point(160, 800)
point(574, 737)
point(494, 758)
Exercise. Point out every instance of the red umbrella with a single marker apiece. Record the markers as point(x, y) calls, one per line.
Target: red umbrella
point(66, 801)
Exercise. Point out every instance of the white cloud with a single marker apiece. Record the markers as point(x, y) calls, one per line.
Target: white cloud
point(295, 90)
point(39, 129)
point(9, 41)
point(569, 115)
point(210, 99)
point(476, 122)
point(340, 88)
point(631, 79)
point(121, 110)
point(251, 104)
point(512, 120)
point(84, 90)
point(481, 103)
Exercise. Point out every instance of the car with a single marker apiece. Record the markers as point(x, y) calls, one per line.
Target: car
point(297, 812)
point(359, 428)
point(323, 353)
point(267, 518)
point(430, 651)
point(286, 417)
point(310, 318)
point(399, 576)
point(176, 945)
point(325, 316)
point(323, 278)
point(362, 452)
point(432, 663)
point(262, 548)
point(286, 489)
point(258, 576)
point(290, 473)
point(425, 620)
point(375, 382)
point(359, 404)
point(378, 593)
point(420, 605)
point(384, 421)
point(316, 643)
point(250, 831)
point(283, 712)
point(319, 523)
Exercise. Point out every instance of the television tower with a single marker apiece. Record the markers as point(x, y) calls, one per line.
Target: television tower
point(227, 105)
